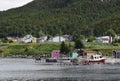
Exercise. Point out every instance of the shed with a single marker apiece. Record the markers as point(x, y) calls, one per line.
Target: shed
point(73, 54)
point(116, 54)
point(88, 54)
point(55, 54)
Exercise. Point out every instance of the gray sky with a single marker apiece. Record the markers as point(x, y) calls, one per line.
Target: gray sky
point(8, 4)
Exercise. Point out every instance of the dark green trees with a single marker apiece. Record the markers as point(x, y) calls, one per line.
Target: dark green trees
point(81, 17)
point(79, 44)
point(64, 49)
point(110, 32)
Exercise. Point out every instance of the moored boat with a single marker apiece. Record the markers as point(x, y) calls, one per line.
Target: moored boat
point(96, 59)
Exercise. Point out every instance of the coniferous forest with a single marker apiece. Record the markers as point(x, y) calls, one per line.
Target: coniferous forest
point(54, 17)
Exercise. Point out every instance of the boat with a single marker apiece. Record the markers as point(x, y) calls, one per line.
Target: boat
point(58, 61)
point(62, 60)
point(51, 60)
point(96, 59)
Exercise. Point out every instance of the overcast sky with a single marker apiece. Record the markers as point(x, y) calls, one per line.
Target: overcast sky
point(8, 4)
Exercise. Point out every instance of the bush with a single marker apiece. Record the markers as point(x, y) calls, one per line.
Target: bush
point(91, 38)
point(115, 44)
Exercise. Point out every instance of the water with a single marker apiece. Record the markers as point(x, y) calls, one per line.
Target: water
point(15, 69)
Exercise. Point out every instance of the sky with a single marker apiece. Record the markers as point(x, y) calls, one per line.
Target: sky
point(8, 4)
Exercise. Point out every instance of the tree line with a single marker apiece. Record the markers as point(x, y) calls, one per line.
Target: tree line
point(74, 17)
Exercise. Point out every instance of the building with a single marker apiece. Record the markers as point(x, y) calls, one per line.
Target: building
point(28, 39)
point(42, 39)
point(116, 54)
point(104, 39)
point(57, 39)
point(14, 39)
point(55, 54)
point(88, 54)
point(73, 54)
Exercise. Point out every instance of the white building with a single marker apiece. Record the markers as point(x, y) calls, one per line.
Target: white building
point(104, 39)
point(57, 39)
point(42, 39)
point(27, 39)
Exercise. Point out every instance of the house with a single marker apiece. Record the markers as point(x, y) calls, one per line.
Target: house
point(34, 40)
point(28, 39)
point(42, 39)
point(88, 54)
point(55, 54)
point(70, 38)
point(57, 39)
point(104, 39)
point(14, 39)
point(82, 53)
point(73, 54)
point(116, 54)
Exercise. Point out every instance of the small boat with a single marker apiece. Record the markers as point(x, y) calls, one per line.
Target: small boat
point(64, 60)
point(53, 60)
point(47, 61)
point(58, 61)
point(96, 59)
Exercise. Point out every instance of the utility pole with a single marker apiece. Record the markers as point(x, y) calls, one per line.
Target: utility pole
point(60, 32)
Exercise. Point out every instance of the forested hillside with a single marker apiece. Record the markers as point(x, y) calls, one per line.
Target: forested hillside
point(52, 17)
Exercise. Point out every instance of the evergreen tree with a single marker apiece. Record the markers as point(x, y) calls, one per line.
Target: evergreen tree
point(62, 47)
point(79, 44)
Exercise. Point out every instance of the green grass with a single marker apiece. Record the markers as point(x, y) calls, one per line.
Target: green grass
point(29, 49)
point(104, 48)
point(47, 48)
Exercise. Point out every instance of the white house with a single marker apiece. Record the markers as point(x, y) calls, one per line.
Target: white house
point(14, 39)
point(27, 39)
point(57, 39)
point(42, 39)
point(104, 39)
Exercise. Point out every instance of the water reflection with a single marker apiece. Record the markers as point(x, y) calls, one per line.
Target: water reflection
point(28, 70)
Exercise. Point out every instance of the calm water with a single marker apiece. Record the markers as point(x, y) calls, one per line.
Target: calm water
point(12, 69)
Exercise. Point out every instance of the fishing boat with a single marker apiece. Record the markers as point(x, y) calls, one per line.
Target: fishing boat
point(96, 59)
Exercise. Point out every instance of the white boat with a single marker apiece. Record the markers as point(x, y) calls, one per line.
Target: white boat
point(96, 59)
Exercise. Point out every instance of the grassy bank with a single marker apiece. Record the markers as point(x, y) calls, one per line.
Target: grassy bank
point(105, 49)
point(46, 48)
point(28, 49)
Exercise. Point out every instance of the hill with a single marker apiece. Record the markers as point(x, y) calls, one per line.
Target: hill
point(49, 17)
